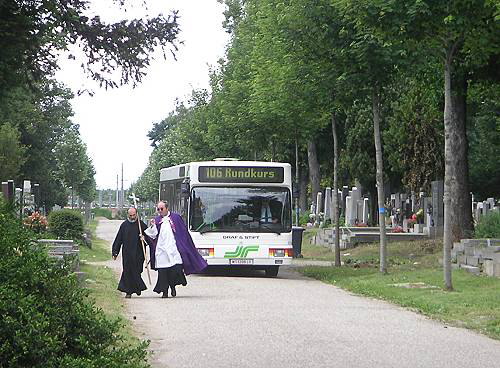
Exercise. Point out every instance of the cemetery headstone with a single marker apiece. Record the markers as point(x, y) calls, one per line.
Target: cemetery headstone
point(348, 211)
point(437, 188)
point(366, 210)
point(328, 203)
point(345, 193)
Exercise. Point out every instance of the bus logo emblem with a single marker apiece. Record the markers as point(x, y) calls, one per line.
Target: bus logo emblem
point(241, 252)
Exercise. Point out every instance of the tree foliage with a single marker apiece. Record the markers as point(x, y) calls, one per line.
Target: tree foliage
point(33, 33)
point(11, 152)
point(290, 65)
point(43, 144)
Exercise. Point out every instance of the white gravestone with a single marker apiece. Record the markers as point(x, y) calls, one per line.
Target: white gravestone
point(318, 207)
point(355, 197)
point(365, 210)
point(328, 203)
point(348, 211)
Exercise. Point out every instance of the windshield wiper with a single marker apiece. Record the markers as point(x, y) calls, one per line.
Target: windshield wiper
point(270, 228)
point(207, 230)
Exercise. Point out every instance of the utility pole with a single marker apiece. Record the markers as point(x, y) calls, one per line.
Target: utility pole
point(117, 193)
point(122, 199)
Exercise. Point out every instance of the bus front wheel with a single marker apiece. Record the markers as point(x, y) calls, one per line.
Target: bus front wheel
point(272, 271)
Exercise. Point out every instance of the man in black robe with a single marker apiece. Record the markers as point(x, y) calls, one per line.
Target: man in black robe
point(132, 255)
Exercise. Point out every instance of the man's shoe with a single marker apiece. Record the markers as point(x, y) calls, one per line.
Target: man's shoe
point(128, 296)
point(165, 294)
point(174, 293)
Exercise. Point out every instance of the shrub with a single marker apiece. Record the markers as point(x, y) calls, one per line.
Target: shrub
point(47, 320)
point(36, 222)
point(122, 214)
point(102, 212)
point(66, 224)
point(488, 226)
point(303, 218)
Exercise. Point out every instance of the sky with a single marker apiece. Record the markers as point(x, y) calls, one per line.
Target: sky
point(114, 123)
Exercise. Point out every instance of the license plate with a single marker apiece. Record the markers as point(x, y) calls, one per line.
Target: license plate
point(243, 261)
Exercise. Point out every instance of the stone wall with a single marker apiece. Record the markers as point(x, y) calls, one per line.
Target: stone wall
point(478, 256)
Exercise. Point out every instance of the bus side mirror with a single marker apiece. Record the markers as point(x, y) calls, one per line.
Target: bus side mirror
point(185, 188)
point(295, 191)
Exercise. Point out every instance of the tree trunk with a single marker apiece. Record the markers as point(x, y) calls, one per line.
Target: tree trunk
point(380, 179)
point(303, 190)
point(314, 174)
point(450, 171)
point(457, 200)
point(88, 211)
point(297, 175)
point(335, 190)
point(464, 225)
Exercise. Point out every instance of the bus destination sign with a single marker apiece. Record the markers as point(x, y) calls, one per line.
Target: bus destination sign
point(241, 174)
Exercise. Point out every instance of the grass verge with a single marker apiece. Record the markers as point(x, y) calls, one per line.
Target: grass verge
point(101, 282)
point(100, 251)
point(414, 281)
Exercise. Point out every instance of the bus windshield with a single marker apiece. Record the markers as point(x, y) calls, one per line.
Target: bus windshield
point(240, 209)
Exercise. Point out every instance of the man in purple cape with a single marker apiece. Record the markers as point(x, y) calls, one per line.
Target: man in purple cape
point(172, 251)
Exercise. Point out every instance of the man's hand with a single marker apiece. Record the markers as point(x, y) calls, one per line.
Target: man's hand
point(152, 222)
point(141, 237)
point(114, 258)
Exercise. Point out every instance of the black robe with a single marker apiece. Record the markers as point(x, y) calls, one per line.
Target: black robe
point(132, 257)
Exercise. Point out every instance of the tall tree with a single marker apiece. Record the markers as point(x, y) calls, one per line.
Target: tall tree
point(465, 34)
point(11, 152)
point(371, 60)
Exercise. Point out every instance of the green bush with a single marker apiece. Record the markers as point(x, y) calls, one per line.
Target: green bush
point(66, 224)
point(304, 218)
point(488, 226)
point(47, 320)
point(122, 214)
point(102, 212)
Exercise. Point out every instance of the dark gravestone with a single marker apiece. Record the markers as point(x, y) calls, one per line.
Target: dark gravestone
point(437, 202)
point(345, 193)
point(407, 208)
point(4, 190)
point(8, 190)
point(36, 194)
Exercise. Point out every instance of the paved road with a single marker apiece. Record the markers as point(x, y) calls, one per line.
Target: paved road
point(246, 320)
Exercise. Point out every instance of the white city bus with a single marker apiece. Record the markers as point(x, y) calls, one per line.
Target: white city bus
point(239, 213)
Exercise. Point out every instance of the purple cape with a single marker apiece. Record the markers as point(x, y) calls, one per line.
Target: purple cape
point(192, 262)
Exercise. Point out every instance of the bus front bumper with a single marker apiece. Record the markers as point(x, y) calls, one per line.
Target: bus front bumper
point(212, 261)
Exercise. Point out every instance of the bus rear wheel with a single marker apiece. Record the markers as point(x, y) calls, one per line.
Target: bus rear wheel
point(272, 271)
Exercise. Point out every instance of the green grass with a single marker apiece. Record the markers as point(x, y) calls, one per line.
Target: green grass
point(101, 281)
point(414, 265)
point(101, 249)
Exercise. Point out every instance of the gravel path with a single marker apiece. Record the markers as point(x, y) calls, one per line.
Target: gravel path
point(246, 320)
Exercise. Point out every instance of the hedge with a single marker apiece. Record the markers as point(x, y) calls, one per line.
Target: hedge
point(47, 320)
